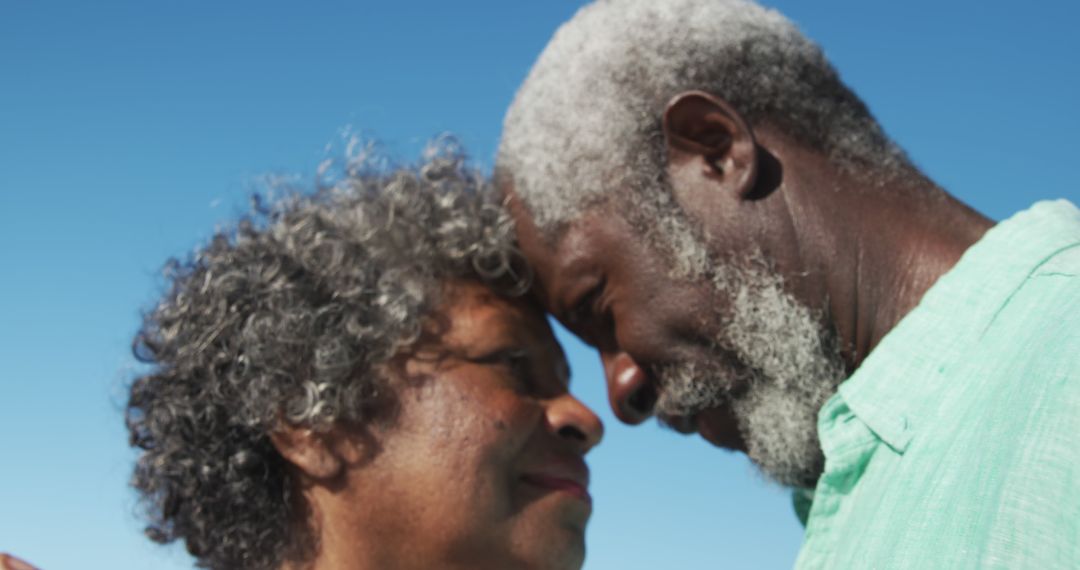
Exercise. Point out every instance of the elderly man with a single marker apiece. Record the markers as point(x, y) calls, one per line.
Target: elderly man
point(708, 205)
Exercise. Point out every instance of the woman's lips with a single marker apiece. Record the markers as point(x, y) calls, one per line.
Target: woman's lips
point(569, 477)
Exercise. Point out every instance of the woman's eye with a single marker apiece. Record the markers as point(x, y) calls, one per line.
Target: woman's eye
point(517, 363)
point(520, 366)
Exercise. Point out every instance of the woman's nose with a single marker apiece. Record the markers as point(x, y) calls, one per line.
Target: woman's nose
point(630, 391)
point(573, 421)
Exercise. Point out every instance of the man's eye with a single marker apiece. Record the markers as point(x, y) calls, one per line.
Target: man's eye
point(585, 307)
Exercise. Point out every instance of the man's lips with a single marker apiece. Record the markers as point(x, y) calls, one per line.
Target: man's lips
point(715, 425)
point(568, 475)
point(683, 424)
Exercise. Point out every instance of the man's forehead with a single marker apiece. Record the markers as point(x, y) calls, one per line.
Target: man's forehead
point(553, 209)
point(556, 235)
point(576, 248)
point(539, 251)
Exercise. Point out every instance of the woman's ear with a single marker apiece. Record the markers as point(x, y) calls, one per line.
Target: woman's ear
point(316, 454)
point(706, 133)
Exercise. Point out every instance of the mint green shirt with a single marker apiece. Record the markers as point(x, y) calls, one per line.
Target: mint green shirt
point(956, 444)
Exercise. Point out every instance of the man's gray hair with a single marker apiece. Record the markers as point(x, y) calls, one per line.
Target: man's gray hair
point(588, 117)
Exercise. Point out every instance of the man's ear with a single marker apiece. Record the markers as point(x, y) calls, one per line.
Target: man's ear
point(704, 132)
point(317, 455)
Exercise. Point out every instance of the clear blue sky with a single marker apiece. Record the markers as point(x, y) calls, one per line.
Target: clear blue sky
point(129, 129)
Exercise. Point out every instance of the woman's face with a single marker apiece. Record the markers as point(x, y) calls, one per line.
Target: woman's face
point(483, 466)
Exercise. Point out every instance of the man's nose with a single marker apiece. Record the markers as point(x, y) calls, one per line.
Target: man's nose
point(630, 390)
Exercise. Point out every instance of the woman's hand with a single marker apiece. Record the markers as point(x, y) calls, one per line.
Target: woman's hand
point(9, 562)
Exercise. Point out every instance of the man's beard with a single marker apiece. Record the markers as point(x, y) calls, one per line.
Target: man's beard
point(788, 365)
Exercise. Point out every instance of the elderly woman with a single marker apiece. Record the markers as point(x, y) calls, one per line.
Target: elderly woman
point(355, 380)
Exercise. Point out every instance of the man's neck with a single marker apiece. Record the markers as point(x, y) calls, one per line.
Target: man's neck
point(878, 249)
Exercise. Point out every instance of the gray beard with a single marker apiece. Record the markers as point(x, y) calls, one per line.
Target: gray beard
point(789, 366)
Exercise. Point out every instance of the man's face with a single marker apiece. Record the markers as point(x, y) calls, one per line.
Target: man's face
point(729, 353)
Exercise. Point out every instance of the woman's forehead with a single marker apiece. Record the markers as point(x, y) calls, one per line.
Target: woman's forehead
point(474, 310)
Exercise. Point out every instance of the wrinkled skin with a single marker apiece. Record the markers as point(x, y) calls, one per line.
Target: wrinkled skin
point(483, 467)
point(842, 263)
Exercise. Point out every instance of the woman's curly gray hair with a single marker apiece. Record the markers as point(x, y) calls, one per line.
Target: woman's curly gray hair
point(288, 317)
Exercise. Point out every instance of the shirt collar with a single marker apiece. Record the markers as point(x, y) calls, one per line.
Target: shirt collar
point(901, 374)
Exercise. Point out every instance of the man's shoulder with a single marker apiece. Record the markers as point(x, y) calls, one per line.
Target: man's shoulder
point(1064, 263)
